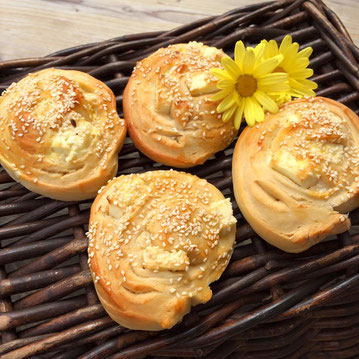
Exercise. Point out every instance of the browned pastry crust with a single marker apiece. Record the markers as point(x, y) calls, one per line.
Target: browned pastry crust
point(156, 241)
point(296, 175)
point(167, 106)
point(60, 134)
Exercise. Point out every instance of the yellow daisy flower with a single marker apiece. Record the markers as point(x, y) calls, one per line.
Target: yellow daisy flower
point(295, 64)
point(245, 82)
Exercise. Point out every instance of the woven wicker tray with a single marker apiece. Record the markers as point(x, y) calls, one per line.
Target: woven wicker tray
point(268, 304)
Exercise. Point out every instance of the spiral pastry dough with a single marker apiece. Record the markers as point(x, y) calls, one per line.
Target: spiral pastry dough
point(167, 106)
point(296, 175)
point(60, 134)
point(156, 241)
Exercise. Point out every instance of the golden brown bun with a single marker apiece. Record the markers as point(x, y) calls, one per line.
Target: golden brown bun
point(156, 241)
point(60, 134)
point(167, 106)
point(295, 176)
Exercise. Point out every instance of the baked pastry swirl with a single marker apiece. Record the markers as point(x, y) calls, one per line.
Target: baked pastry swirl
point(167, 106)
point(296, 175)
point(156, 241)
point(60, 133)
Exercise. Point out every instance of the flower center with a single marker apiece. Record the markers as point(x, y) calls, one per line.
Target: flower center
point(278, 69)
point(246, 85)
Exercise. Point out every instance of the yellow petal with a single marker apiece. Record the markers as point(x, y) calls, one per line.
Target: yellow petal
point(308, 83)
point(228, 102)
point(248, 61)
point(259, 51)
point(239, 52)
point(226, 84)
point(221, 74)
point(286, 42)
point(302, 74)
point(276, 82)
point(258, 112)
point(305, 52)
point(221, 94)
point(229, 114)
point(299, 90)
point(290, 54)
point(265, 49)
point(253, 112)
point(303, 92)
point(239, 114)
point(301, 62)
point(267, 66)
point(266, 101)
point(231, 67)
point(302, 84)
point(236, 97)
point(247, 111)
point(271, 49)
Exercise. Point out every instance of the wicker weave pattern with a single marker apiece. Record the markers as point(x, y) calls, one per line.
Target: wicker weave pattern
point(268, 304)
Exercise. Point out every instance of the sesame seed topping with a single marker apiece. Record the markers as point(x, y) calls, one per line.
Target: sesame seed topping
point(63, 105)
point(164, 226)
